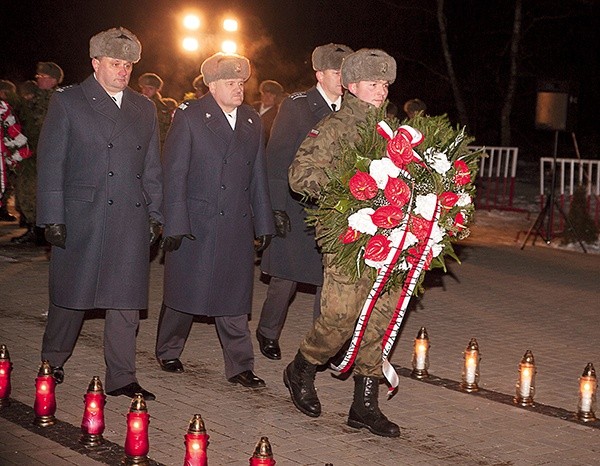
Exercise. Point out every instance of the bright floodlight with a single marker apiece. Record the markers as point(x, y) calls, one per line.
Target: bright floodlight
point(230, 25)
point(190, 44)
point(191, 22)
point(228, 46)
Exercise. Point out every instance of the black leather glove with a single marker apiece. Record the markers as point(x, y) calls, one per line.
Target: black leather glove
point(172, 243)
point(282, 223)
point(56, 234)
point(262, 242)
point(155, 230)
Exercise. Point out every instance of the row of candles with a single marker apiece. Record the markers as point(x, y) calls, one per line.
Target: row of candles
point(137, 445)
point(525, 386)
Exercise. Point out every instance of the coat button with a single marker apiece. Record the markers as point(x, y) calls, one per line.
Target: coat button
point(225, 162)
point(245, 189)
point(139, 147)
point(248, 162)
point(110, 202)
point(245, 215)
point(138, 176)
point(221, 213)
point(110, 145)
point(223, 186)
point(137, 204)
point(110, 173)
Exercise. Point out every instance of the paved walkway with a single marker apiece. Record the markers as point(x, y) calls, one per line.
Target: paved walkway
point(511, 300)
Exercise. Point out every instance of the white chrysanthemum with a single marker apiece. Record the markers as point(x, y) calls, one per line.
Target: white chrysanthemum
point(464, 200)
point(381, 169)
point(396, 236)
point(438, 161)
point(437, 234)
point(425, 205)
point(361, 221)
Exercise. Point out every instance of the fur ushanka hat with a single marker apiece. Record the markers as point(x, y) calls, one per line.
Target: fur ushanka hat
point(329, 57)
point(225, 66)
point(368, 65)
point(117, 43)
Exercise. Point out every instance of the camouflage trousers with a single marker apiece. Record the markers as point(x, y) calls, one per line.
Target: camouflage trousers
point(341, 303)
point(25, 184)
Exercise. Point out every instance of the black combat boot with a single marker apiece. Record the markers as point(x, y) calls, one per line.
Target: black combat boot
point(28, 237)
point(299, 378)
point(365, 412)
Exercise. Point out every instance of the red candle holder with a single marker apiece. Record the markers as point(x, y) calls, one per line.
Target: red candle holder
point(136, 441)
point(44, 406)
point(92, 423)
point(263, 454)
point(196, 442)
point(5, 370)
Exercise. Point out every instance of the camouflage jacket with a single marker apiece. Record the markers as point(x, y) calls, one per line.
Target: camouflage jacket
point(164, 117)
point(36, 114)
point(321, 147)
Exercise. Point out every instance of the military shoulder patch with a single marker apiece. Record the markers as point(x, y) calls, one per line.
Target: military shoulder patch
point(313, 133)
point(64, 88)
point(297, 95)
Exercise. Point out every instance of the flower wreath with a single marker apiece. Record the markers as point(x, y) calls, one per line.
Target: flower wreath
point(394, 204)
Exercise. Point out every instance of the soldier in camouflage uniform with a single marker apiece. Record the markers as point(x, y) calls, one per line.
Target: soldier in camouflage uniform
point(366, 74)
point(151, 85)
point(49, 76)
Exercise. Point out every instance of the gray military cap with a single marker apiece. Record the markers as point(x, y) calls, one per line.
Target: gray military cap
point(117, 43)
point(329, 57)
point(368, 65)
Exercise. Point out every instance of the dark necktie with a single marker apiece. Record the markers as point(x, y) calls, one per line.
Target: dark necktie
point(333, 107)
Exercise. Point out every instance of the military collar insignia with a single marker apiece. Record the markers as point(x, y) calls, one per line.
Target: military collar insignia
point(250, 121)
point(184, 105)
point(207, 115)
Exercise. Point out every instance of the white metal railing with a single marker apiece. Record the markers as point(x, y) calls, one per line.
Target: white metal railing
point(570, 174)
point(497, 173)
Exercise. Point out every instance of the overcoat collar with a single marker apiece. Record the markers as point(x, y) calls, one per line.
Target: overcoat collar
point(216, 121)
point(101, 102)
point(317, 103)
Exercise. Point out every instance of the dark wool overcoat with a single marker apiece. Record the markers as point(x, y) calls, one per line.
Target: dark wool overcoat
point(216, 189)
point(296, 256)
point(99, 174)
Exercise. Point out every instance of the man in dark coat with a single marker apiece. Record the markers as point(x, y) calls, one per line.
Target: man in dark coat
point(216, 202)
point(99, 195)
point(271, 93)
point(293, 255)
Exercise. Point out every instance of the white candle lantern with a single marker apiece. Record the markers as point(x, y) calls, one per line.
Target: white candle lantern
point(526, 382)
point(470, 375)
point(420, 361)
point(588, 383)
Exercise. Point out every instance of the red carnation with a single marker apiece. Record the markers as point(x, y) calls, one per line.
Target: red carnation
point(397, 192)
point(462, 175)
point(349, 236)
point(448, 199)
point(363, 186)
point(387, 216)
point(377, 248)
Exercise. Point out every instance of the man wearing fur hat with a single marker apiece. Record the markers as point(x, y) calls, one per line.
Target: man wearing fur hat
point(216, 202)
point(366, 74)
point(150, 85)
point(293, 256)
point(48, 76)
point(271, 93)
point(99, 195)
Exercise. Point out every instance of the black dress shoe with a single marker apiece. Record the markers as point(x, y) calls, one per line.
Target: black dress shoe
point(248, 379)
point(269, 348)
point(130, 391)
point(171, 365)
point(59, 374)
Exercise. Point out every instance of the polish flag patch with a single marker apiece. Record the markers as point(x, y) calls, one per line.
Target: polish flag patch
point(313, 133)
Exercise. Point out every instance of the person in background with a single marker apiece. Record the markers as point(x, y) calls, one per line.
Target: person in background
point(271, 93)
point(150, 85)
point(49, 76)
point(413, 106)
point(99, 199)
point(367, 75)
point(293, 256)
point(216, 202)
